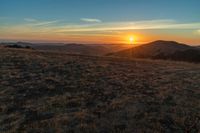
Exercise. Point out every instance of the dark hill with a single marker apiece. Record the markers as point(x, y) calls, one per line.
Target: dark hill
point(162, 50)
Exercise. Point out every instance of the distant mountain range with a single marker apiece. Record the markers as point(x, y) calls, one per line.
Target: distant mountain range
point(160, 49)
point(83, 49)
point(168, 50)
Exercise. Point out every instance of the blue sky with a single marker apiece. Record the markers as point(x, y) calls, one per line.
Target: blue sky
point(107, 10)
point(98, 16)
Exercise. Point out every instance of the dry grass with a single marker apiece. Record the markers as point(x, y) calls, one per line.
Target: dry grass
point(52, 92)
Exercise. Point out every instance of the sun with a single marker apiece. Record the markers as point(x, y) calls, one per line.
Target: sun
point(131, 39)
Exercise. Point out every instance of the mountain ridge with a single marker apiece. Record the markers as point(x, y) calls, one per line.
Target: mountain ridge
point(161, 49)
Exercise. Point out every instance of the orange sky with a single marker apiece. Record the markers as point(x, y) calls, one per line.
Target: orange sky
point(100, 21)
point(143, 32)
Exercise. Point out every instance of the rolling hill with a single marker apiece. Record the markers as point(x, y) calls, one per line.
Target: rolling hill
point(73, 48)
point(162, 50)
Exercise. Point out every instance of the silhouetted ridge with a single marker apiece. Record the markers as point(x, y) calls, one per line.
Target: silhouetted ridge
point(162, 50)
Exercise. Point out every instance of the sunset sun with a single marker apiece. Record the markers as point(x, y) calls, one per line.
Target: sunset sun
point(131, 39)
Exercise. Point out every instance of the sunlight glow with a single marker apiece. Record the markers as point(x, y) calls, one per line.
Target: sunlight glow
point(132, 40)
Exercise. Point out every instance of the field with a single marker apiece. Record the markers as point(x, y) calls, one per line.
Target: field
point(56, 92)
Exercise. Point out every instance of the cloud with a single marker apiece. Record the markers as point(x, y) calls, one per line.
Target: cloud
point(35, 22)
point(55, 27)
point(31, 26)
point(43, 23)
point(132, 25)
point(91, 20)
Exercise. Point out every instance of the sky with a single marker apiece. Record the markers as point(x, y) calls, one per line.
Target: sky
point(100, 21)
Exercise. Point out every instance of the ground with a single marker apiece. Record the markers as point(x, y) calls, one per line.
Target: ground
point(57, 92)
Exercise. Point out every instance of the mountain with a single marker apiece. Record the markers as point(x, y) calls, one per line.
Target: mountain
point(162, 50)
point(83, 49)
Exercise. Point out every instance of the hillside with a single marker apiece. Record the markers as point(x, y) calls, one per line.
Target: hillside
point(162, 50)
point(73, 48)
point(57, 92)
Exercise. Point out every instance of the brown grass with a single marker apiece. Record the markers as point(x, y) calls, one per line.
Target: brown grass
point(53, 92)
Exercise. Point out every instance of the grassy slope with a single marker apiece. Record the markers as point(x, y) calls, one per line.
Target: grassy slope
point(52, 92)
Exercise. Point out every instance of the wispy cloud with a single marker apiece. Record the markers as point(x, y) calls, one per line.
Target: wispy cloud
point(35, 22)
point(55, 28)
point(91, 20)
point(45, 23)
point(132, 25)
